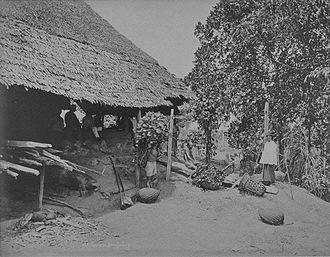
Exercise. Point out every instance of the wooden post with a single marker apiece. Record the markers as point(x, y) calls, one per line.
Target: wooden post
point(266, 121)
point(137, 166)
point(169, 146)
point(266, 124)
point(137, 175)
point(41, 186)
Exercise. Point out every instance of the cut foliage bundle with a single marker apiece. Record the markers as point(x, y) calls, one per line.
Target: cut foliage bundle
point(153, 128)
point(208, 176)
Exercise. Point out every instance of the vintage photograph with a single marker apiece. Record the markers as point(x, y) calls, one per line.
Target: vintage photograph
point(164, 128)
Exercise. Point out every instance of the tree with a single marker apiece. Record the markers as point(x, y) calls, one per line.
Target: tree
point(263, 51)
point(206, 82)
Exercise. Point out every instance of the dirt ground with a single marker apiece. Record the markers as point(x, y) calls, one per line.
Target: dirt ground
point(187, 221)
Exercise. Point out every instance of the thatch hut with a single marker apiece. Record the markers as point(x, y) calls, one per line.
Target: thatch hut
point(55, 50)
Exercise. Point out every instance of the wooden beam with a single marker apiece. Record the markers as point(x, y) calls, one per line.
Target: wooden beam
point(6, 165)
point(28, 144)
point(169, 146)
point(41, 186)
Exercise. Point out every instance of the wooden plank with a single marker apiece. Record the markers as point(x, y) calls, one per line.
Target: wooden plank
point(6, 165)
point(169, 146)
point(41, 186)
point(29, 144)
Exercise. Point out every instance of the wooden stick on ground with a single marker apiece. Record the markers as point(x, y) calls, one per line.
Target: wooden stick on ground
point(66, 204)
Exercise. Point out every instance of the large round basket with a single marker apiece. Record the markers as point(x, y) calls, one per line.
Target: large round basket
point(271, 216)
point(148, 195)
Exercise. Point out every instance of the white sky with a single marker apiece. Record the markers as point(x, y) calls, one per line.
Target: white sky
point(162, 28)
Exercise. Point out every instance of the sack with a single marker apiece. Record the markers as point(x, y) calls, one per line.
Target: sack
point(148, 195)
point(271, 216)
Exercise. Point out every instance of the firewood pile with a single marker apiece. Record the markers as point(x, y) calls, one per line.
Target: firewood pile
point(50, 228)
point(29, 157)
point(208, 177)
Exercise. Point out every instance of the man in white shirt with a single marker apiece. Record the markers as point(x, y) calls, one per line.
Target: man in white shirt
point(269, 160)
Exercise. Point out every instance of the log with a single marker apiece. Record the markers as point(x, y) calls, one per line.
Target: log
point(177, 169)
point(6, 165)
point(29, 144)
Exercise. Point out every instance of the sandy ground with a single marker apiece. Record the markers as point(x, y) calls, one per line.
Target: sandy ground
point(187, 221)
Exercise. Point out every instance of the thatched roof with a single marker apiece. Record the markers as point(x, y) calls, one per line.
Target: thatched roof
point(65, 48)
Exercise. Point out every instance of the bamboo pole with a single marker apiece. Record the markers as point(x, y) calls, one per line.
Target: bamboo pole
point(169, 146)
point(41, 186)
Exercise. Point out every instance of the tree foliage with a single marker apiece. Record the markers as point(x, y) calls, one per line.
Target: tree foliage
point(253, 51)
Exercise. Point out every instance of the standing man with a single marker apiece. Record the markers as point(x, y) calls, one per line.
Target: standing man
point(269, 160)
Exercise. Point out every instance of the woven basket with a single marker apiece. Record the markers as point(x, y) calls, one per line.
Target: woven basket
point(271, 216)
point(255, 187)
point(148, 195)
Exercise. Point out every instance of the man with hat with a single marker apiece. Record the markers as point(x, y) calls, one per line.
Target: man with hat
point(269, 160)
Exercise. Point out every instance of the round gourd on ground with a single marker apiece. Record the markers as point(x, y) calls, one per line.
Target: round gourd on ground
point(148, 195)
point(271, 216)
